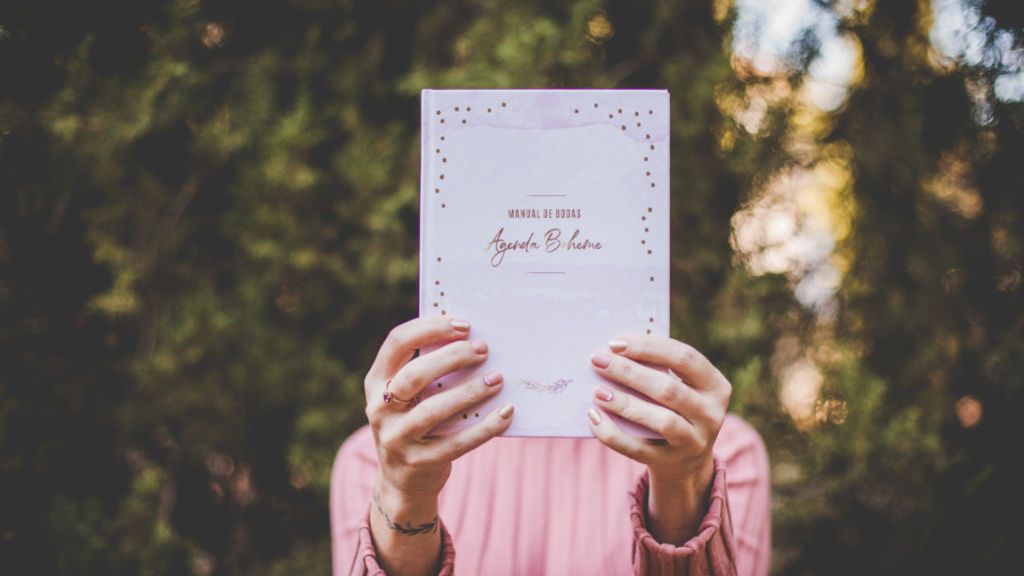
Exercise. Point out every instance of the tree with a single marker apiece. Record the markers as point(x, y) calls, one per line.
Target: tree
point(208, 224)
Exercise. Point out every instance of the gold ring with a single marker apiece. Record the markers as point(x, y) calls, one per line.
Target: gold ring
point(390, 397)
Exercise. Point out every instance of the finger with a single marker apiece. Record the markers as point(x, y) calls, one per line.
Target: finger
point(683, 359)
point(657, 385)
point(434, 410)
point(405, 338)
point(609, 433)
point(674, 428)
point(419, 372)
point(455, 445)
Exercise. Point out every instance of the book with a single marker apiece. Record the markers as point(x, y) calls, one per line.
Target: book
point(544, 222)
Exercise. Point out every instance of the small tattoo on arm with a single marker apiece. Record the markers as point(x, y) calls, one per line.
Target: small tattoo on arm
point(408, 529)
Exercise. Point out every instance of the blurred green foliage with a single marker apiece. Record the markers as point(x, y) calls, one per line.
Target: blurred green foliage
point(208, 224)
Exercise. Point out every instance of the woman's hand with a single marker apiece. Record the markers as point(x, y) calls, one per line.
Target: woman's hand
point(412, 466)
point(689, 414)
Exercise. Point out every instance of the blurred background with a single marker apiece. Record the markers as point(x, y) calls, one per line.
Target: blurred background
point(209, 223)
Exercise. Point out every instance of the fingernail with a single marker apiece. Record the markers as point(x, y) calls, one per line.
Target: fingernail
point(595, 418)
point(479, 346)
point(617, 345)
point(492, 378)
point(460, 325)
point(601, 360)
point(604, 394)
point(506, 411)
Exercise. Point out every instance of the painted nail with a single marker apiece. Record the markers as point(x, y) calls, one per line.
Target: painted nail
point(479, 346)
point(601, 360)
point(604, 394)
point(492, 378)
point(617, 345)
point(506, 411)
point(460, 325)
point(595, 418)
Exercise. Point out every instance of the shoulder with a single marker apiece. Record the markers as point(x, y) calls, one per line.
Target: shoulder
point(360, 440)
point(356, 452)
point(739, 445)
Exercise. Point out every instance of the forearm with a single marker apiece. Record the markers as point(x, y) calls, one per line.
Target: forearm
point(406, 533)
point(676, 506)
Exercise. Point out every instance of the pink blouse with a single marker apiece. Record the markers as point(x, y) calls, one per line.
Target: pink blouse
point(565, 506)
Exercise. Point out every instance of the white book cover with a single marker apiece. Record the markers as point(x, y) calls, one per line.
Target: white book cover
point(544, 222)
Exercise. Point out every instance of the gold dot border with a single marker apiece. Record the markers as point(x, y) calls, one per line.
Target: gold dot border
point(439, 298)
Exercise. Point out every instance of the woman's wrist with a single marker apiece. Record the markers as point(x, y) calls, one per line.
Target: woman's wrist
point(404, 511)
point(676, 504)
point(406, 530)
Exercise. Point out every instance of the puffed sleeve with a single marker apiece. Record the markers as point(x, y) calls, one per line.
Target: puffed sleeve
point(735, 534)
point(352, 476)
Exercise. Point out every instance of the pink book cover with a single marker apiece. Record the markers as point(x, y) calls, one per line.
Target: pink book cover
point(544, 221)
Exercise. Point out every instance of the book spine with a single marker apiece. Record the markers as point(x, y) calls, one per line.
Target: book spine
point(666, 105)
point(426, 227)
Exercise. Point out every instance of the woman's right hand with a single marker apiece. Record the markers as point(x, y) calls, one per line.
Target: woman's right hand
point(413, 467)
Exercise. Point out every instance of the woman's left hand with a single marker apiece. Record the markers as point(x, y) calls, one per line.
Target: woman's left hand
point(688, 414)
